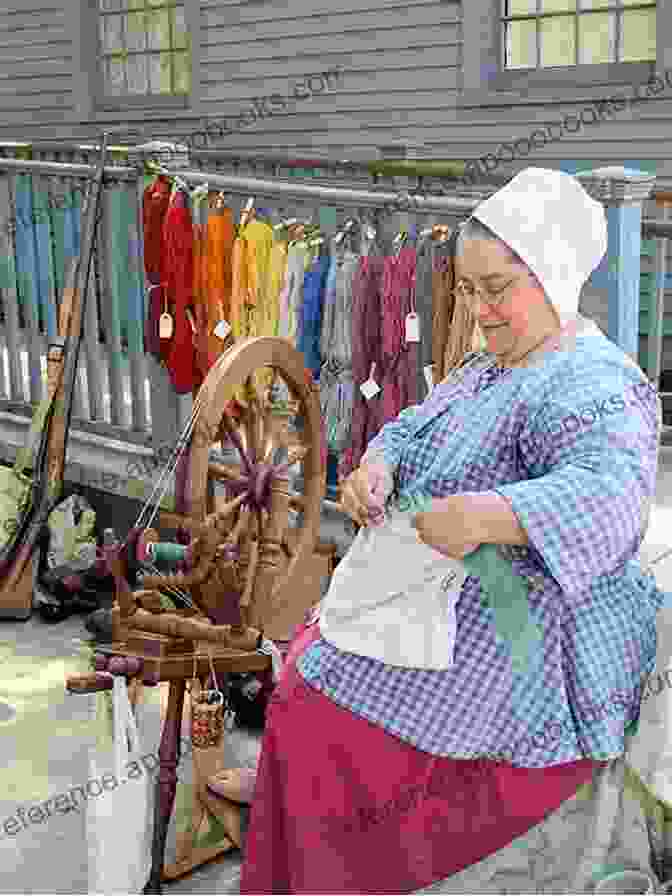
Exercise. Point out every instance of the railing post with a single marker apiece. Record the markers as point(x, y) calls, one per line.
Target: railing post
point(622, 191)
point(657, 309)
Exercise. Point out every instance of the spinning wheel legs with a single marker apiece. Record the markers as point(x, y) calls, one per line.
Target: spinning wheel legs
point(166, 783)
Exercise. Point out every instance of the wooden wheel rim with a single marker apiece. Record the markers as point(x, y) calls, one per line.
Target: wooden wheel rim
point(234, 368)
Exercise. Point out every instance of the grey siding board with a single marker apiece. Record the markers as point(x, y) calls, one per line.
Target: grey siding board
point(396, 58)
point(375, 62)
point(231, 12)
point(57, 84)
point(22, 14)
point(39, 67)
point(352, 89)
point(45, 101)
point(275, 20)
point(30, 52)
point(402, 77)
point(35, 65)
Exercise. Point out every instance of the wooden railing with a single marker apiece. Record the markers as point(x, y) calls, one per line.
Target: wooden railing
point(40, 209)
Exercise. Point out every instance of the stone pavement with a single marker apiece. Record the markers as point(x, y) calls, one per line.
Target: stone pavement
point(46, 738)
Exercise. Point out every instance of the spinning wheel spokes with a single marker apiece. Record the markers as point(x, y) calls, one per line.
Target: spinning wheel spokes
point(268, 453)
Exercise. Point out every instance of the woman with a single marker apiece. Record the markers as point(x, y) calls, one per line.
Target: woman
point(379, 778)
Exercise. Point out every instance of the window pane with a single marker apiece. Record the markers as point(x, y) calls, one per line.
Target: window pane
point(558, 5)
point(182, 72)
point(114, 76)
point(136, 31)
point(594, 4)
point(112, 34)
point(109, 5)
point(158, 29)
point(519, 7)
point(558, 42)
point(521, 45)
point(159, 73)
point(154, 73)
point(134, 4)
point(136, 72)
point(597, 38)
point(160, 3)
point(180, 34)
point(638, 37)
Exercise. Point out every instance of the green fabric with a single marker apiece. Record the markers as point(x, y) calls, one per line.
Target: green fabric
point(72, 536)
point(632, 728)
point(507, 595)
point(15, 485)
point(14, 501)
point(166, 602)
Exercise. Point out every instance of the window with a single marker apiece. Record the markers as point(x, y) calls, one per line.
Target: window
point(145, 48)
point(542, 34)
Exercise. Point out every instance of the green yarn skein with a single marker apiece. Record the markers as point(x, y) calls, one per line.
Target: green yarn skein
point(507, 595)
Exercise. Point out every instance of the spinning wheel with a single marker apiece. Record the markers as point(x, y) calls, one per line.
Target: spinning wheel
point(206, 598)
point(247, 550)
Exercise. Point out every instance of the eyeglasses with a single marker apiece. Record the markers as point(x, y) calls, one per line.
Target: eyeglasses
point(493, 297)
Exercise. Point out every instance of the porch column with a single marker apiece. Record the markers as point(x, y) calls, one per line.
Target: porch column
point(622, 191)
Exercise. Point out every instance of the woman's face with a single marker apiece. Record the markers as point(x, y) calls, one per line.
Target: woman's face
point(519, 314)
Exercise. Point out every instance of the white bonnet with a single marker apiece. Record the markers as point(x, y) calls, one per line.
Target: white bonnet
point(556, 228)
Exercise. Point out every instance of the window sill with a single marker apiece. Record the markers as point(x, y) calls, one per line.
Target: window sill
point(558, 86)
point(154, 103)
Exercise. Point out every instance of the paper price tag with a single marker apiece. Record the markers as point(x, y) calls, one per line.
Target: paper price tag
point(369, 388)
point(222, 329)
point(412, 327)
point(165, 326)
point(429, 376)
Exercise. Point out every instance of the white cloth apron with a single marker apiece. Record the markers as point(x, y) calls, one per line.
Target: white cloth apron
point(393, 598)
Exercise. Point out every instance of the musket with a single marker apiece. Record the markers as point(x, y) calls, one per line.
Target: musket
point(62, 367)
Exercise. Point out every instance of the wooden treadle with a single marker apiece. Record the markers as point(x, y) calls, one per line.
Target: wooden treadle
point(199, 856)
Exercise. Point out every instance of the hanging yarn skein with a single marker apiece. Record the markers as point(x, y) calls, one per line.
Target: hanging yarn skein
point(310, 320)
point(337, 387)
point(219, 239)
point(155, 202)
point(455, 330)
point(178, 275)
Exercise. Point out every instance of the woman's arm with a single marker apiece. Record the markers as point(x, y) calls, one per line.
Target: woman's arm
point(590, 456)
point(457, 525)
point(388, 445)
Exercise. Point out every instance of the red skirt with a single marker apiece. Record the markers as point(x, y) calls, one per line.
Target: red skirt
point(341, 806)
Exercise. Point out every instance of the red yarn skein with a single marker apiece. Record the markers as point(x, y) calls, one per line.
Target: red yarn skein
point(178, 277)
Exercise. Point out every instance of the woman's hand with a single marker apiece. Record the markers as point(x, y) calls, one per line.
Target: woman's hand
point(451, 527)
point(457, 525)
point(363, 495)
